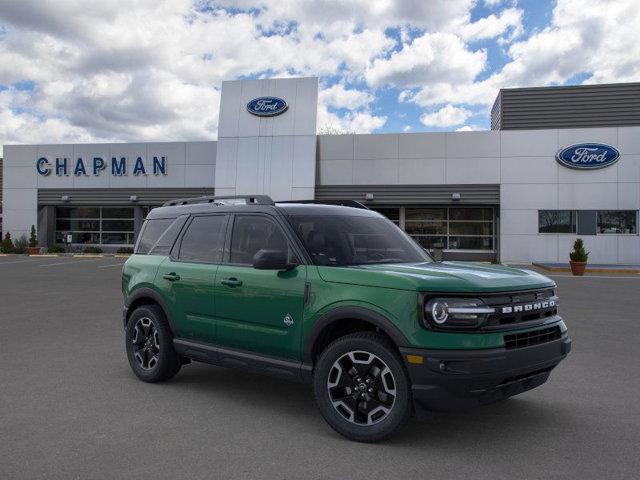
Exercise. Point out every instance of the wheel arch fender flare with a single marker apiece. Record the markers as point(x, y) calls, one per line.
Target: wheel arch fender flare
point(147, 293)
point(351, 313)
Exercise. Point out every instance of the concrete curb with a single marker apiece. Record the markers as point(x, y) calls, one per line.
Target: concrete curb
point(589, 269)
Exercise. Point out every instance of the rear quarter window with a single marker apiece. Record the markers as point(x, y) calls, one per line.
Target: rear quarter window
point(158, 235)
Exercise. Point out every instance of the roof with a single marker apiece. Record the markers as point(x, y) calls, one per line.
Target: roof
point(263, 204)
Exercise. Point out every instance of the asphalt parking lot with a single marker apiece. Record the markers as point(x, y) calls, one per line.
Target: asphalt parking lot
point(71, 408)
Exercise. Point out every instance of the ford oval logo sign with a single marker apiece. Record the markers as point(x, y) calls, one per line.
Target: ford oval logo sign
point(267, 106)
point(588, 156)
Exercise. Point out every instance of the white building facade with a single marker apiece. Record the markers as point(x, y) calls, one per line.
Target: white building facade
point(492, 195)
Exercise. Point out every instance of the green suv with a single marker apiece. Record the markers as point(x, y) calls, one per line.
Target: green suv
point(339, 297)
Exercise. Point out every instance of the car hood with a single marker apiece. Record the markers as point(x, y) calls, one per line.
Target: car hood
point(438, 277)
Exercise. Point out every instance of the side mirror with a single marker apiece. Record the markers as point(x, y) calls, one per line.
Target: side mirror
point(271, 260)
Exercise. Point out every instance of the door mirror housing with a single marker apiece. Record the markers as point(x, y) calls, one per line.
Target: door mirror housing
point(272, 260)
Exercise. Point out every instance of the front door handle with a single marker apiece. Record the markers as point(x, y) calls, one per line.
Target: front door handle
point(232, 282)
point(172, 277)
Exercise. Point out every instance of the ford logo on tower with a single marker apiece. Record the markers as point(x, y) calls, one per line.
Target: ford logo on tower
point(267, 106)
point(588, 156)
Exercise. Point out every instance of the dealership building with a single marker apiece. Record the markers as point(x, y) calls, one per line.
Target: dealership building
point(559, 162)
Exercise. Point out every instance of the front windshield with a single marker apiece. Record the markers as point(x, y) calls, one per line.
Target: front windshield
point(340, 240)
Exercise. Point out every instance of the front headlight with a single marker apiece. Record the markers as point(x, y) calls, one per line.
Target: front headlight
point(456, 312)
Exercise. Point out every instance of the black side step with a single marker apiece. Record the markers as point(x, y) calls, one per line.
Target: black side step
point(225, 357)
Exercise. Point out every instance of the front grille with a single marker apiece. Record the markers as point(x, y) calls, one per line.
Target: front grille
point(535, 337)
point(522, 307)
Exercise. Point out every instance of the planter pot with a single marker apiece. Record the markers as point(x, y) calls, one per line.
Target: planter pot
point(34, 250)
point(578, 268)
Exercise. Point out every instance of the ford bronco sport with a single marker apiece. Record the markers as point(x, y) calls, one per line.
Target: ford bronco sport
point(339, 297)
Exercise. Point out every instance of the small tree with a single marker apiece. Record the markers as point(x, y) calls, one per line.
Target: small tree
point(7, 244)
point(579, 254)
point(20, 245)
point(33, 238)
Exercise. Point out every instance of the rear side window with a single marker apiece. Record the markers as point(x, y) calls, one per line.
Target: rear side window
point(151, 232)
point(204, 239)
point(252, 233)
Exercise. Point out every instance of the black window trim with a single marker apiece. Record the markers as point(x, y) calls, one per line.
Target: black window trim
point(175, 250)
point(292, 240)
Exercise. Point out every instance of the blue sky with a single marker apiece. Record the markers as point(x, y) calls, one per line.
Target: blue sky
point(145, 70)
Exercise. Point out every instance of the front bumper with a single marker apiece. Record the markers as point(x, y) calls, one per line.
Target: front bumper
point(456, 379)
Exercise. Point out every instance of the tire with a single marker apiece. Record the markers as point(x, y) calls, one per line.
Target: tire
point(149, 345)
point(366, 414)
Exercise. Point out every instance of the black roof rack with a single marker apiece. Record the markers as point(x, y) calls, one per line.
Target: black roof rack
point(343, 203)
point(249, 199)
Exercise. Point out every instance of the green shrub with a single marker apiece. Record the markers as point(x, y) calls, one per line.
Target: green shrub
point(125, 250)
point(7, 244)
point(21, 244)
point(92, 250)
point(55, 249)
point(33, 238)
point(579, 254)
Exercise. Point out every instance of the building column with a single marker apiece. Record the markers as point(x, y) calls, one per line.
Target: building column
point(138, 219)
point(46, 228)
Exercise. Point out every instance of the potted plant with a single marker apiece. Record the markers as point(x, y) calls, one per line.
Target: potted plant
point(7, 244)
point(33, 242)
point(578, 258)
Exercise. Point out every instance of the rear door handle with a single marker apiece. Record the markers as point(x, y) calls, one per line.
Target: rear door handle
point(172, 277)
point(232, 282)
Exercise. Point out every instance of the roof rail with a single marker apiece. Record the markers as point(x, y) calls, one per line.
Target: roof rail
point(249, 200)
point(342, 203)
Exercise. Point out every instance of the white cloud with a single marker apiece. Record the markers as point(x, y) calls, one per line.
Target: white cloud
point(447, 116)
point(432, 57)
point(469, 128)
point(509, 20)
point(338, 96)
point(407, 128)
point(351, 122)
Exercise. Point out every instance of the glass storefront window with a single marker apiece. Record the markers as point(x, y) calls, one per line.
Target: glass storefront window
point(471, 243)
point(426, 228)
point(431, 242)
point(453, 228)
point(95, 225)
point(618, 221)
point(478, 214)
point(78, 212)
point(556, 221)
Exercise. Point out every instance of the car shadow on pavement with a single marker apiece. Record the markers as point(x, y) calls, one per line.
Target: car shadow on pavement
point(511, 420)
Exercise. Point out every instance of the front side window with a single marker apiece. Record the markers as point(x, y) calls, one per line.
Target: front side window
point(618, 221)
point(252, 233)
point(556, 221)
point(204, 239)
point(352, 240)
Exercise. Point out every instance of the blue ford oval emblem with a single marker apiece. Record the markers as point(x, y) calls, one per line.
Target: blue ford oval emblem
point(267, 106)
point(588, 156)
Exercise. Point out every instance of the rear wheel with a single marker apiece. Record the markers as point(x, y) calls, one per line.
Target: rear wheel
point(149, 345)
point(362, 388)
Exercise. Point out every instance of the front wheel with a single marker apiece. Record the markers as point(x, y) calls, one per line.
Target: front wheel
point(149, 345)
point(362, 388)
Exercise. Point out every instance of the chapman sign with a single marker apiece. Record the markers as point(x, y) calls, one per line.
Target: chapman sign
point(267, 106)
point(96, 165)
point(588, 156)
